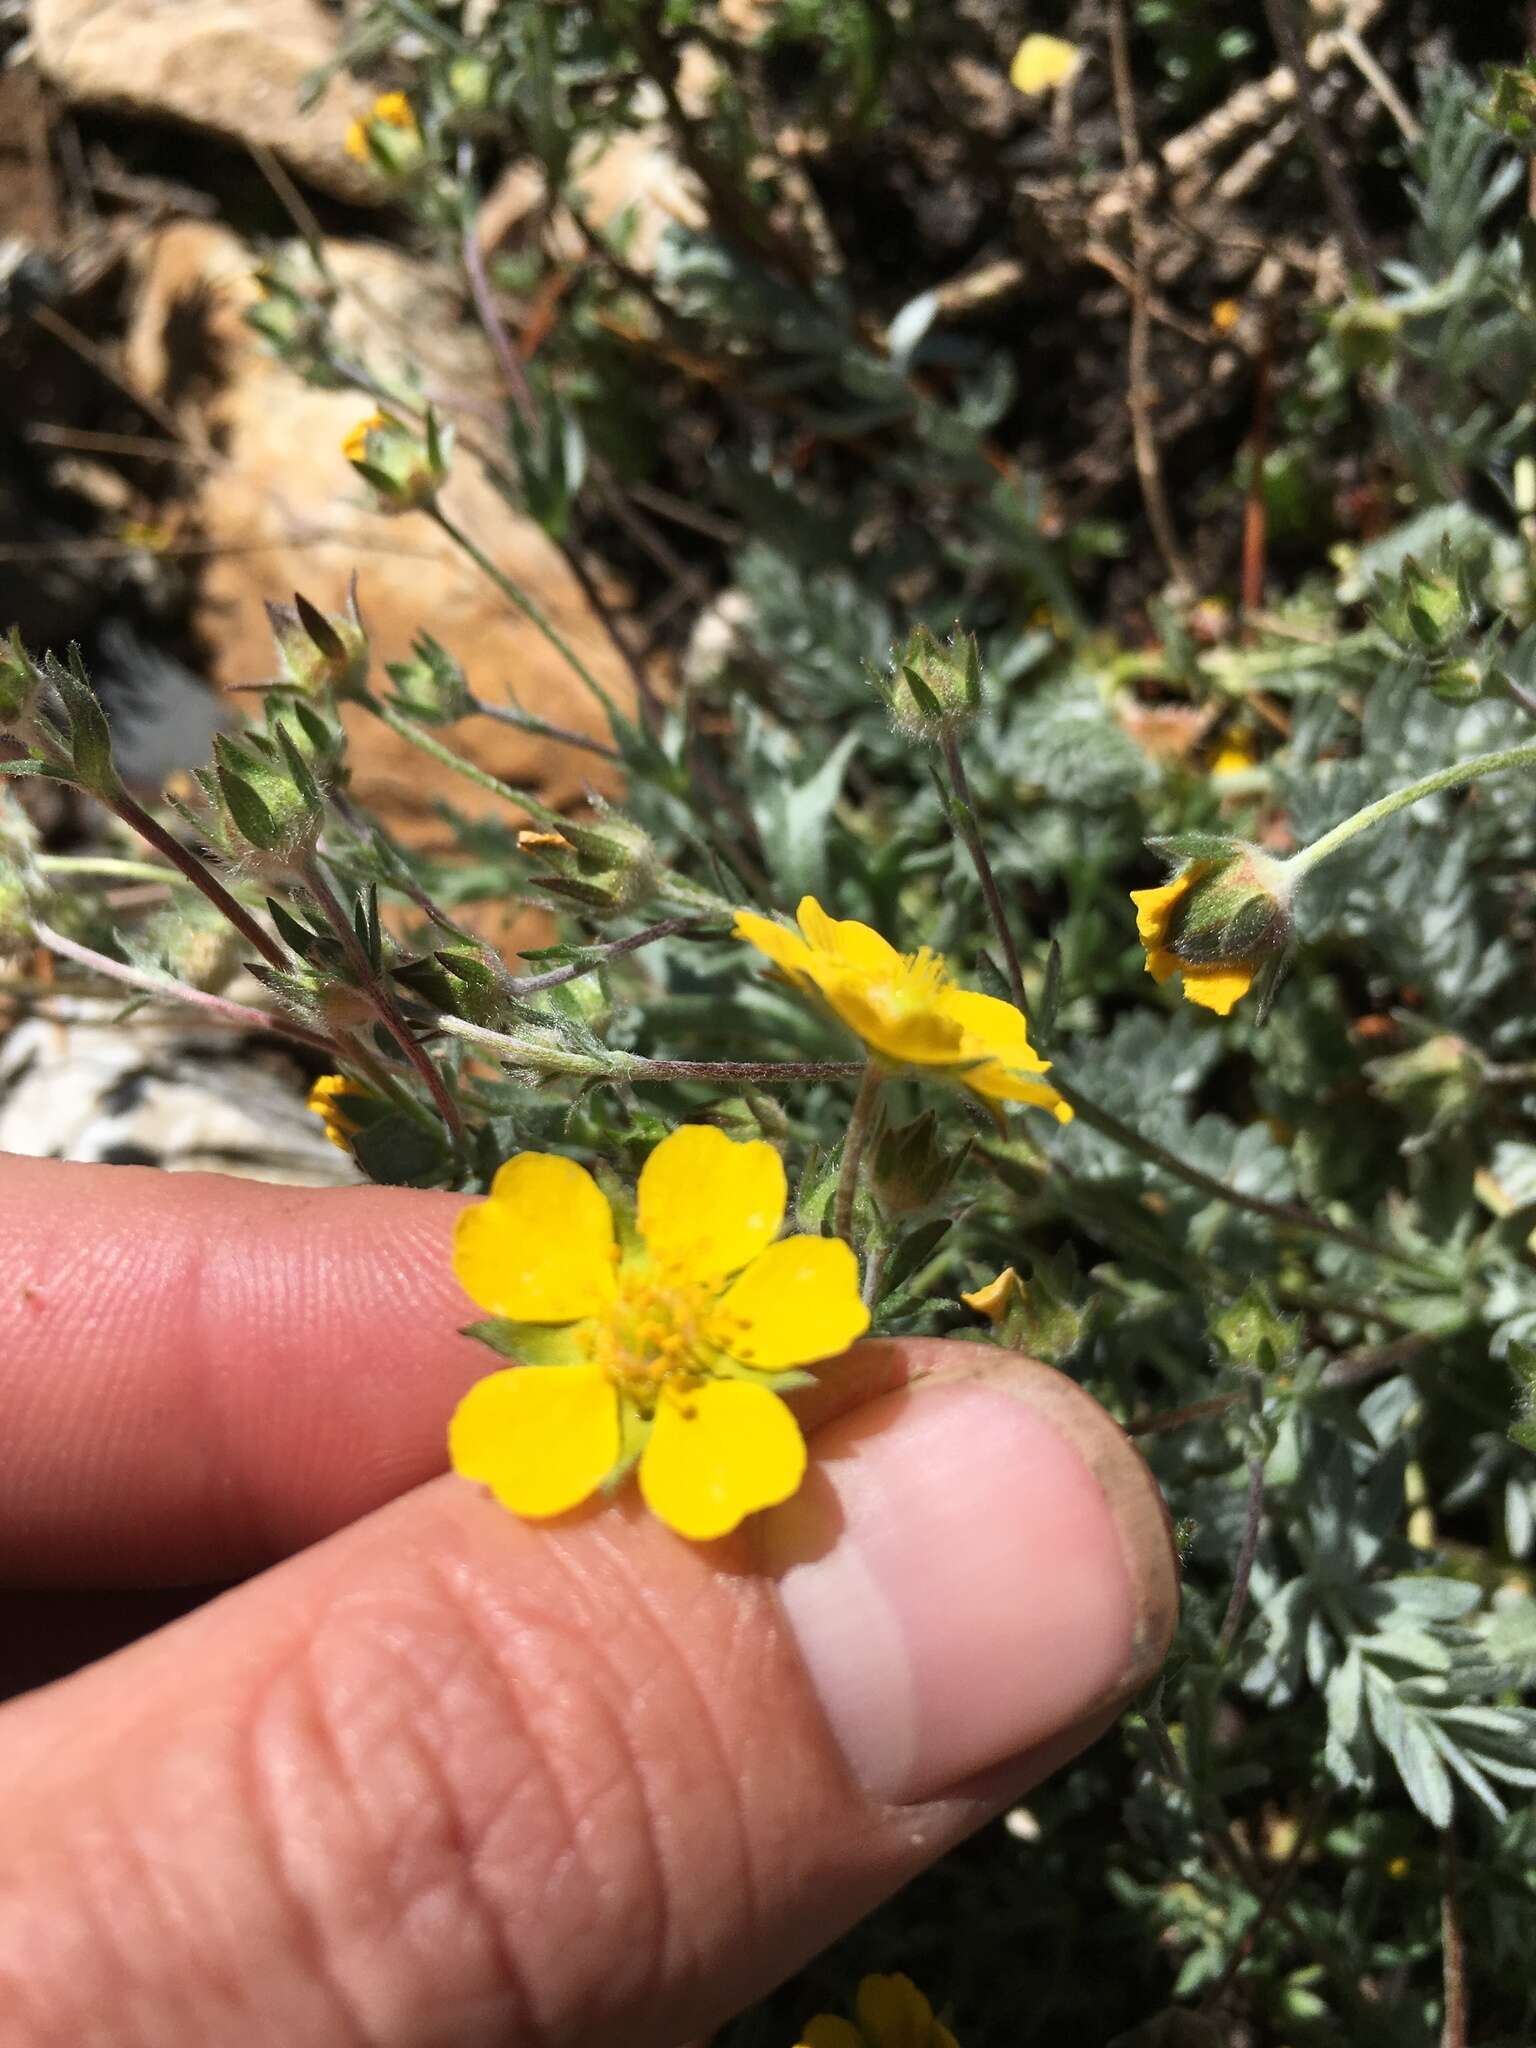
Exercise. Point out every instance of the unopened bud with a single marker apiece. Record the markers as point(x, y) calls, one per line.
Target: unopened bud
point(431, 687)
point(932, 689)
point(608, 863)
point(320, 652)
point(405, 469)
point(912, 1168)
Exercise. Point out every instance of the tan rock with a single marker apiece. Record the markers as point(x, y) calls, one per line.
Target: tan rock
point(282, 510)
point(235, 66)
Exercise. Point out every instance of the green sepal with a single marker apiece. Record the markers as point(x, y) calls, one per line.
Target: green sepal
point(1191, 846)
point(528, 1343)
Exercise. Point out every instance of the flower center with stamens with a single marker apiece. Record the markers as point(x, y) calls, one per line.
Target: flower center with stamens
point(654, 1335)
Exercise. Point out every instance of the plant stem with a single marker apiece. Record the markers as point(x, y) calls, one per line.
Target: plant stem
point(1455, 2024)
point(1242, 1575)
point(529, 609)
point(1292, 1215)
point(635, 1067)
point(134, 815)
point(860, 1124)
point(378, 993)
point(1444, 778)
point(106, 865)
point(543, 728)
point(168, 989)
point(418, 737)
point(1292, 54)
point(970, 831)
point(530, 984)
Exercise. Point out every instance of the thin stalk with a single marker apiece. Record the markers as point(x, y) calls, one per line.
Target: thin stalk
point(1341, 203)
point(543, 728)
point(378, 993)
point(1444, 778)
point(860, 1126)
point(634, 1067)
point(970, 831)
point(107, 866)
point(419, 737)
point(134, 815)
point(525, 604)
point(1456, 2021)
point(1291, 1215)
point(1242, 1576)
point(530, 984)
point(239, 1015)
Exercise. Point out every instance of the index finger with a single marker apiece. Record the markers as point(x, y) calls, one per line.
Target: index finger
point(200, 1374)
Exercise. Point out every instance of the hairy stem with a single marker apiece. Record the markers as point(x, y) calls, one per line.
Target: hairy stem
point(971, 833)
point(1399, 799)
point(377, 991)
point(238, 1015)
point(134, 815)
point(860, 1126)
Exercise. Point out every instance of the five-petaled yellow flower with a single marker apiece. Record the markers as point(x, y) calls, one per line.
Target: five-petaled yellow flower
point(662, 1339)
point(1216, 986)
point(892, 2013)
point(905, 1007)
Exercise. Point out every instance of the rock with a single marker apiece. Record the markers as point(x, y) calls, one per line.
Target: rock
point(78, 1083)
point(235, 66)
point(281, 509)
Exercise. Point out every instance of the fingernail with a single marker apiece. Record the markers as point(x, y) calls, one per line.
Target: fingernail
point(976, 1565)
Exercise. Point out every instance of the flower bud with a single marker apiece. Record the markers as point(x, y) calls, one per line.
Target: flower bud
point(320, 652)
point(1435, 1083)
point(21, 686)
point(932, 689)
point(1223, 917)
point(269, 798)
point(404, 468)
point(388, 140)
point(430, 687)
point(609, 863)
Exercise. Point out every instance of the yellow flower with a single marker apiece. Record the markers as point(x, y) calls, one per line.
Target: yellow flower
point(663, 1341)
point(1225, 315)
point(1235, 756)
point(992, 1301)
point(905, 1007)
point(355, 446)
point(892, 2013)
point(391, 110)
point(1043, 62)
point(328, 1099)
point(1216, 987)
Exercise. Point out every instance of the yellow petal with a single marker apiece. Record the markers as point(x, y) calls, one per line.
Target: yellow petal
point(783, 947)
point(718, 1454)
point(1161, 963)
point(1153, 907)
point(541, 1437)
point(1217, 988)
point(1041, 62)
point(922, 1037)
point(994, 1027)
point(855, 945)
point(893, 2013)
point(827, 2031)
point(540, 1249)
point(707, 1204)
point(356, 143)
point(992, 1300)
point(796, 1303)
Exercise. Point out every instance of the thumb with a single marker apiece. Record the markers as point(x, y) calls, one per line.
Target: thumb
point(450, 1778)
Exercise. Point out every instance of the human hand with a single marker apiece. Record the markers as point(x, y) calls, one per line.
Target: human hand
point(439, 1776)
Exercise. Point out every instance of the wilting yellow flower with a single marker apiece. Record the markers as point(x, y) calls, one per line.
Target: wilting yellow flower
point(1214, 988)
point(664, 1341)
point(1043, 62)
point(892, 2013)
point(1217, 923)
point(992, 1301)
point(355, 446)
point(905, 1007)
point(328, 1099)
point(403, 467)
